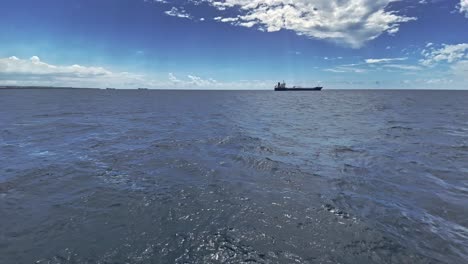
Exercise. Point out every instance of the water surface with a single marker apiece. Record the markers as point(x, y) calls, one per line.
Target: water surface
point(109, 176)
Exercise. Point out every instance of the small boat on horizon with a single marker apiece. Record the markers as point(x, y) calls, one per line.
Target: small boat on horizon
point(282, 87)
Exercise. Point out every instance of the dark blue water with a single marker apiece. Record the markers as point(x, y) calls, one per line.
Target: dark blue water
point(99, 176)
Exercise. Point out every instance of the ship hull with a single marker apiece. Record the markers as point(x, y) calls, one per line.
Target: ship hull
point(299, 89)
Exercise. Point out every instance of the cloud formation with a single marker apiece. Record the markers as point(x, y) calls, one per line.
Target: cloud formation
point(404, 67)
point(464, 7)
point(349, 22)
point(175, 12)
point(35, 72)
point(197, 82)
point(384, 60)
point(447, 53)
point(35, 67)
point(455, 57)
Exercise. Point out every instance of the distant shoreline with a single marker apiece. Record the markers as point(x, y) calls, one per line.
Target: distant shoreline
point(10, 87)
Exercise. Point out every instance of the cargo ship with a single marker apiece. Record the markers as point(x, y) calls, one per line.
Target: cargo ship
point(282, 87)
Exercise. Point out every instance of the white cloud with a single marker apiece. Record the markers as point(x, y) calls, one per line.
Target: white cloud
point(350, 22)
point(393, 31)
point(403, 67)
point(178, 13)
point(173, 79)
point(157, 1)
point(374, 65)
point(35, 72)
point(197, 82)
point(452, 61)
point(346, 69)
point(34, 66)
point(448, 53)
point(228, 19)
point(439, 81)
point(464, 7)
point(192, 81)
point(384, 60)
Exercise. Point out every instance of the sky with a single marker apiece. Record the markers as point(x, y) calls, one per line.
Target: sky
point(235, 44)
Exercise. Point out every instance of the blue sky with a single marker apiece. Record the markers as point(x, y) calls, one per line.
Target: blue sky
point(235, 44)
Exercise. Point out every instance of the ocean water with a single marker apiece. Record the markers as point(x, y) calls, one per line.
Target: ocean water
point(110, 176)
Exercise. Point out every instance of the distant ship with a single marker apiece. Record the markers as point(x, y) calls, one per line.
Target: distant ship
point(282, 87)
